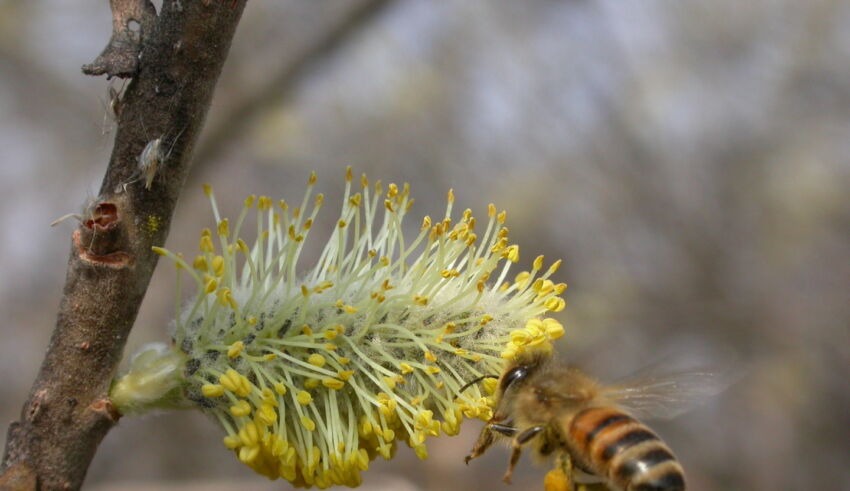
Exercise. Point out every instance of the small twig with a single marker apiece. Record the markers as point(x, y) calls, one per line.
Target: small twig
point(179, 56)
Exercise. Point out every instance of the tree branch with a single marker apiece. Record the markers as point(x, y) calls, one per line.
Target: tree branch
point(180, 56)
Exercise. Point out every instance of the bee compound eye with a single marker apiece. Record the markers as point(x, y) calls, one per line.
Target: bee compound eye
point(512, 376)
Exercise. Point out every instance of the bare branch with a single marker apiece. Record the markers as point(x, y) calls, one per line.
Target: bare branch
point(68, 412)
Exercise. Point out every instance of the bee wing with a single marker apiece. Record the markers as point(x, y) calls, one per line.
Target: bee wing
point(665, 396)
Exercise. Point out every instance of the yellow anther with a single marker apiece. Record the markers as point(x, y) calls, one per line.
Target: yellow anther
point(313, 178)
point(538, 263)
point(509, 353)
point(430, 357)
point(421, 451)
point(304, 398)
point(349, 175)
point(485, 319)
point(417, 438)
point(555, 304)
point(534, 327)
point(432, 369)
point(512, 253)
point(200, 263)
point(206, 244)
point(501, 217)
point(159, 250)
point(235, 349)
point(345, 374)
point(490, 385)
point(208, 190)
point(332, 383)
point(241, 408)
point(389, 382)
point(316, 360)
point(392, 190)
point(365, 428)
point(248, 454)
point(218, 266)
point(311, 383)
point(450, 197)
point(545, 287)
point(232, 442)
point(212, 390)
point(553, 328)
point(243, 247)
point(264, 203)
point(266, 415)
point(279, 388)
point(308, 423)
point(223, 228)
point(405, 368)
point(388, 435)
point(225, 298)
point(249, 201)
point(521, 337)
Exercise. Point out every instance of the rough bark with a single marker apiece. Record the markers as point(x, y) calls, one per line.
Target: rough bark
point(174, 59)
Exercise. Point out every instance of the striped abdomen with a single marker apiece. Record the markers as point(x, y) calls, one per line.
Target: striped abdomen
point(617, 447)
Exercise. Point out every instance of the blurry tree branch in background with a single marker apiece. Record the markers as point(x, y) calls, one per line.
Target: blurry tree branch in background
point(175, 59)
point(279, 85)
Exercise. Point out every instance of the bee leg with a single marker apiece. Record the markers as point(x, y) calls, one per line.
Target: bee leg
point(503, 429)
point(486, 438)
point(516, 445)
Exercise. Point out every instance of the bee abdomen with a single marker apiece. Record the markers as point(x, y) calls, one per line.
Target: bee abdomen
point(612, 444)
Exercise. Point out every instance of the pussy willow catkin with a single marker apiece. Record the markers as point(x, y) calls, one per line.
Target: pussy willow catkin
point(313, 372)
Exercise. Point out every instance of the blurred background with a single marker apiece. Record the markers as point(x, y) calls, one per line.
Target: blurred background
point(689, 161)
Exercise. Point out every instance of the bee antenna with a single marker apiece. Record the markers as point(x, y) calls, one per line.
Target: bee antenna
point(475, 381)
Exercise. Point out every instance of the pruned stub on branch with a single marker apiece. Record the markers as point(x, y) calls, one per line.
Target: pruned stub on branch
point(101, 241)
point(132, 20)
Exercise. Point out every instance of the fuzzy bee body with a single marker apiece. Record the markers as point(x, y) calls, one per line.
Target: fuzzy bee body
point(589, 427)
point(607, 442)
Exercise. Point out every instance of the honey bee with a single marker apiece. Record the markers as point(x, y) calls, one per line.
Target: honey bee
point(589, 427)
